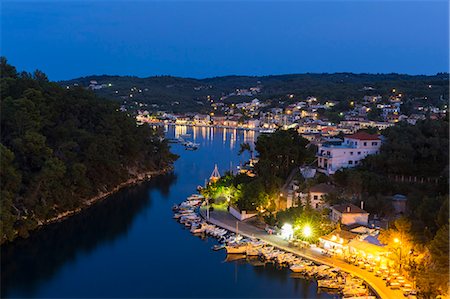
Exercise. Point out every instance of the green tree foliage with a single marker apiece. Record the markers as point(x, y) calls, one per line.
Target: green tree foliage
point(245, 147)
point(318, 223)
point(61, 147)
point(418, 150)
point(343, 87)
point(439, 249)
point(280, 152)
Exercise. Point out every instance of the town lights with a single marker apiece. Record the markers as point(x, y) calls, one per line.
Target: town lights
point(396, 240)
point(287, 231)
point(307, 232)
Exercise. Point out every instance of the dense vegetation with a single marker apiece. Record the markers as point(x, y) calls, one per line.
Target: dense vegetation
point(187, 94)
point(278, 153)
point(61, 147)
point(420, 152)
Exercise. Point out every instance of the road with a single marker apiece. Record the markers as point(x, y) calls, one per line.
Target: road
point(227, 221)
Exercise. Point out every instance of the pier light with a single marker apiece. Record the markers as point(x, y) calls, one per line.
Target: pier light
point(307, 231)
point(287, 231)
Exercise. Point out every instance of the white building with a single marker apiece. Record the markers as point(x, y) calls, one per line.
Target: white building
point(316, 195)
point(349, 214)
point(333, 156)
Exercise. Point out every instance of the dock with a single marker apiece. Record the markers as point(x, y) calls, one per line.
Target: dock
point(225, 220)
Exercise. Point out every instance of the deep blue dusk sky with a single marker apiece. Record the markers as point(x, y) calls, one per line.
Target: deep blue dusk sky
point(212, 38)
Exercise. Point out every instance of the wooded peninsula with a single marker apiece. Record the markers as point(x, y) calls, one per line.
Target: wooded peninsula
point(63, 149)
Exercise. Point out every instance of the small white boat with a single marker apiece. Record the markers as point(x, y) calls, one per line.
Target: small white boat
point(196, 197)
point(298, 268)
point(267, 131)
point(191, 145)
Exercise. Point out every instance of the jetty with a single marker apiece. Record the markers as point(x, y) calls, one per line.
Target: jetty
point(224, 220)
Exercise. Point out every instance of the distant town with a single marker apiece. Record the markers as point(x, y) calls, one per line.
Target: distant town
point(332, 180)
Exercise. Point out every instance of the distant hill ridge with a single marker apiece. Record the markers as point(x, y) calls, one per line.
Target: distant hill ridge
point(189, 94)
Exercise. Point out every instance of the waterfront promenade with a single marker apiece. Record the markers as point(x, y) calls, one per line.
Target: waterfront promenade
point(227, 221)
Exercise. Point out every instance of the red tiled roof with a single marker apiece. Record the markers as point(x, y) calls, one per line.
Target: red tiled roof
point(363, 136)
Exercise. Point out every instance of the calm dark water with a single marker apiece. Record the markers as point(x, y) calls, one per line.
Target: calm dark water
point(129, 245)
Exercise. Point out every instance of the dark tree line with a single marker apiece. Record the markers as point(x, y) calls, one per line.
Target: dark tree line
point(60, 147)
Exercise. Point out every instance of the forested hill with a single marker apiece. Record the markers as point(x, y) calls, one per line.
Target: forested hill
point(188, 94)
point(60, 147)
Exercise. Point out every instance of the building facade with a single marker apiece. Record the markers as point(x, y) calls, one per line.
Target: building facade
point(349, 214)
point(333, 156)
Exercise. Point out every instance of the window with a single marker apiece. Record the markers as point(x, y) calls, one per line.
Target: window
point(317, 205)
point(350, 162)
point(356, 162)
point(351, 153)
point(359, 153)
point(365, 143)
point(316, 197)
point(374, 143)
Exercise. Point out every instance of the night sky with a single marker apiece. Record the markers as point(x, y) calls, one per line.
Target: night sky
point(212, 38)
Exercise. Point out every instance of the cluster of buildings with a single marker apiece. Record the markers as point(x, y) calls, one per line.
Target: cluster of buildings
point(309, 117)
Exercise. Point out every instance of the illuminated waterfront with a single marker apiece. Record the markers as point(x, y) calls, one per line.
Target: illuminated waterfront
point(129, 245)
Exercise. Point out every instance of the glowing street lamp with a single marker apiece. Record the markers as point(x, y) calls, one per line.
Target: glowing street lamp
point(287, 231)
point(307, 231)
point(399, 248)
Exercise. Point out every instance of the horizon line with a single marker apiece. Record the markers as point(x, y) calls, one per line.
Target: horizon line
point(269, 75)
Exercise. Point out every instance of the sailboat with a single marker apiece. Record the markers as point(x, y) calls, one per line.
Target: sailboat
point(215, 175)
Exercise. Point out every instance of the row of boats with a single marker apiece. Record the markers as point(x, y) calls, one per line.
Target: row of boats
point(329, 279)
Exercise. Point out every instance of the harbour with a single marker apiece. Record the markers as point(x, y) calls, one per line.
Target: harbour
point(239, 245)
point(128, 245)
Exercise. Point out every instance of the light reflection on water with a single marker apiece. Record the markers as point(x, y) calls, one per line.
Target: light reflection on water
point(207, 134)
point(129, 245)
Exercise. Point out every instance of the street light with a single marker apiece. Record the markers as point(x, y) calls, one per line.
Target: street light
point(287, 231)
point(398, 241)
point(307, 232)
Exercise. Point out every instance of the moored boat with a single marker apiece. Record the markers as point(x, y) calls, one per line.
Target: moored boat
point(237, 248)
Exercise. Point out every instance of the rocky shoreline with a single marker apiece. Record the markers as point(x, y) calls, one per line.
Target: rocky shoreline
point(136, 179)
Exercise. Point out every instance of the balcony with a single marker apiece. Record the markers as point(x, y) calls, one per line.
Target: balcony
point(324, 155)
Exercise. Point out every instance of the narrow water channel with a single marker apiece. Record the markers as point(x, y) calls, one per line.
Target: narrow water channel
point(129, 245)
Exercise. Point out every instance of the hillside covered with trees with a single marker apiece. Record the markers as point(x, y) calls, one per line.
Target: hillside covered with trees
point(177, 94)
point(62, 147)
